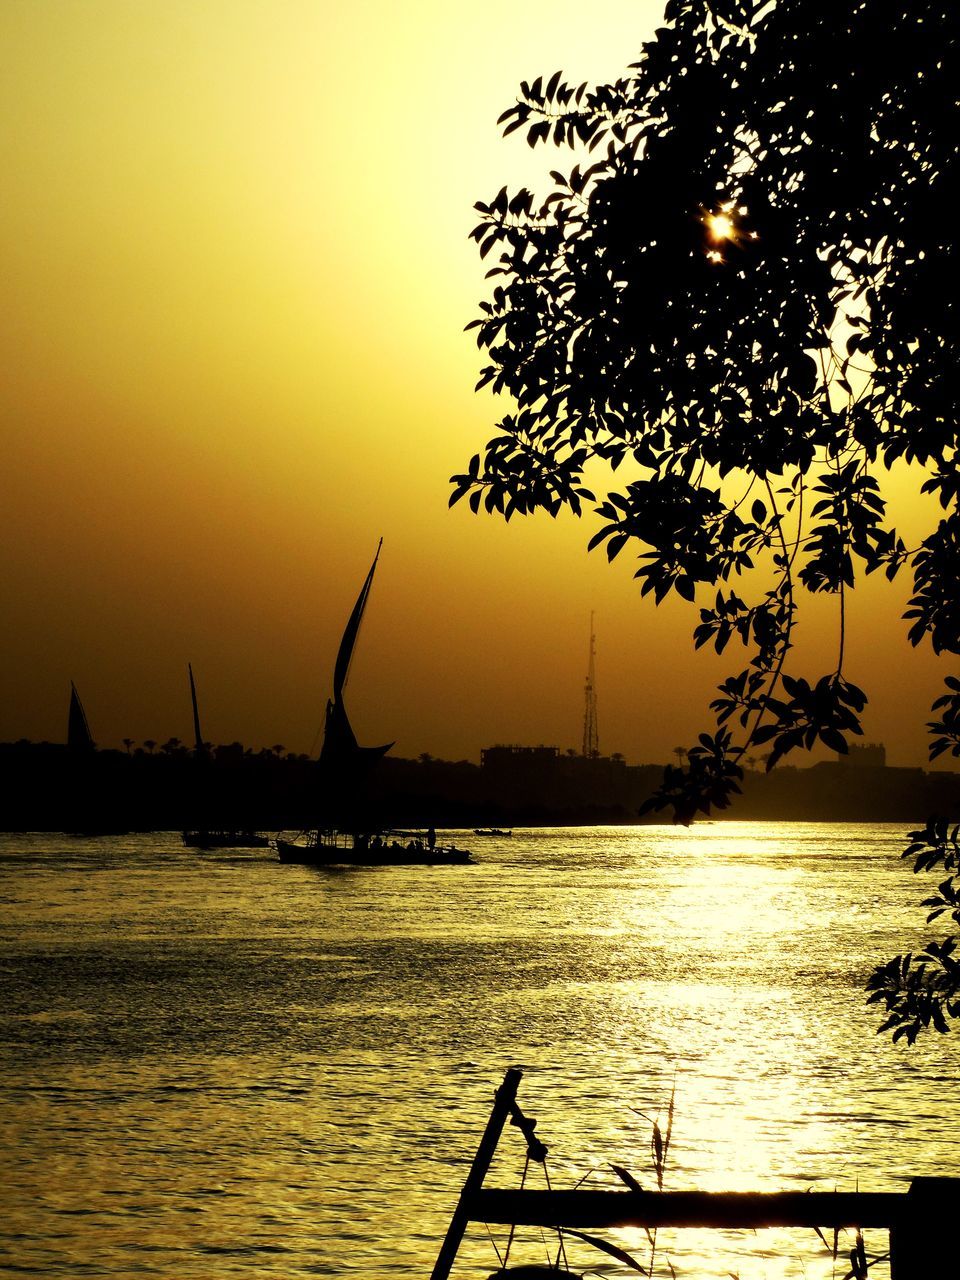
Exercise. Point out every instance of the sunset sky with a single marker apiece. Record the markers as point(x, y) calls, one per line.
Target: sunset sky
point(235, 275)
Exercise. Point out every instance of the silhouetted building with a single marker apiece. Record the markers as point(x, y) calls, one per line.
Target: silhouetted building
point(869, 755)
point(543, 780)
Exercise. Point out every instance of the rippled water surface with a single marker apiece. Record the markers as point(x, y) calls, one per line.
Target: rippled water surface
point(212, 1065)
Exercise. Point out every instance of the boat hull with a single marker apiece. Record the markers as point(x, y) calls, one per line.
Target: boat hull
point(225, 840)
point(330, 855)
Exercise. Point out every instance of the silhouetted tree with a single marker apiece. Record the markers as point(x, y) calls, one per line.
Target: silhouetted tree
point(150, 745)
point(128, 745)
point(747, 297)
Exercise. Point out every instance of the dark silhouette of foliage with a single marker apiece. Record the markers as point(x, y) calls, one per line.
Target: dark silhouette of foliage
point(746, 297)
point(923, 991)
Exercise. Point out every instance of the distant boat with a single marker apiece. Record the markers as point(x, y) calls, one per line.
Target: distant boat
point(80, 741)
point(79, 737)
point(202, 837)
point(225, 840)
point(93, 833)
point(490, 831)
point(353, 840)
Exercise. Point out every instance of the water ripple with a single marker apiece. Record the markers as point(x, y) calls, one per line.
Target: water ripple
point(217, 1067)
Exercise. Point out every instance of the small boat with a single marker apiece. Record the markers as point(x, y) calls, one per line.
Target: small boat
point(94, 833)
point(490, 831)
point(221, 838)
point(225, 840)
point(370, 849)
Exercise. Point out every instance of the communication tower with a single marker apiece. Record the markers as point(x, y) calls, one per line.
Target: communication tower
point(591, 738)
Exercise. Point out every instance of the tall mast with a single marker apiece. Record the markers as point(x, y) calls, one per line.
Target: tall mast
point(199, 748)
point(591, 739)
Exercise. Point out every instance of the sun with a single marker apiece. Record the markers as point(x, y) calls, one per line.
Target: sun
point(725, 224)
point(720, 226)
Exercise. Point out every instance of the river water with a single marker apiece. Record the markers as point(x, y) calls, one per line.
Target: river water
point(212, 1065)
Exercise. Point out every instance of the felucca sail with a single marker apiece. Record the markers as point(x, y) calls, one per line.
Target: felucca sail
point(340, 744)
point(79, 737)
point(200, 749)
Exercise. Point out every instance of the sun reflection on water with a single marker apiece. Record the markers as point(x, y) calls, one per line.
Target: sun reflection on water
point(289, 1076)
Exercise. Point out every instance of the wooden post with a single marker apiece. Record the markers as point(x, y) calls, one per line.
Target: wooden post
point(724, 1210)
point(921, 1222)
point(504, 1099)
point(923, 1242)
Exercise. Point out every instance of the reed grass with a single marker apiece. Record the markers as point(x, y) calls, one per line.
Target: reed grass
point(855, 1258)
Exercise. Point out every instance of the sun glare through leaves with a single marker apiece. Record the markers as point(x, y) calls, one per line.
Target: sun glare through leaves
point(720, 226)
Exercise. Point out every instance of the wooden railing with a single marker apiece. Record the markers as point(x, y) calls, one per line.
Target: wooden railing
point(922, 1221)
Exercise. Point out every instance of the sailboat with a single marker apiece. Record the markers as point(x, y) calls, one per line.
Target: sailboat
point(340, 752)
point(79, 737)
point(353, 840)
point(88, 801)
point(203, 838)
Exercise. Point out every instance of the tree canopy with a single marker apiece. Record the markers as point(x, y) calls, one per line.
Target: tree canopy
point(745, 294)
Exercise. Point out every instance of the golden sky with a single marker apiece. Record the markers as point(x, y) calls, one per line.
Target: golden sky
point(235, 275)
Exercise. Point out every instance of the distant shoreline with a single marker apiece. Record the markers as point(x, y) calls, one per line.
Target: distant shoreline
point(45, 787)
